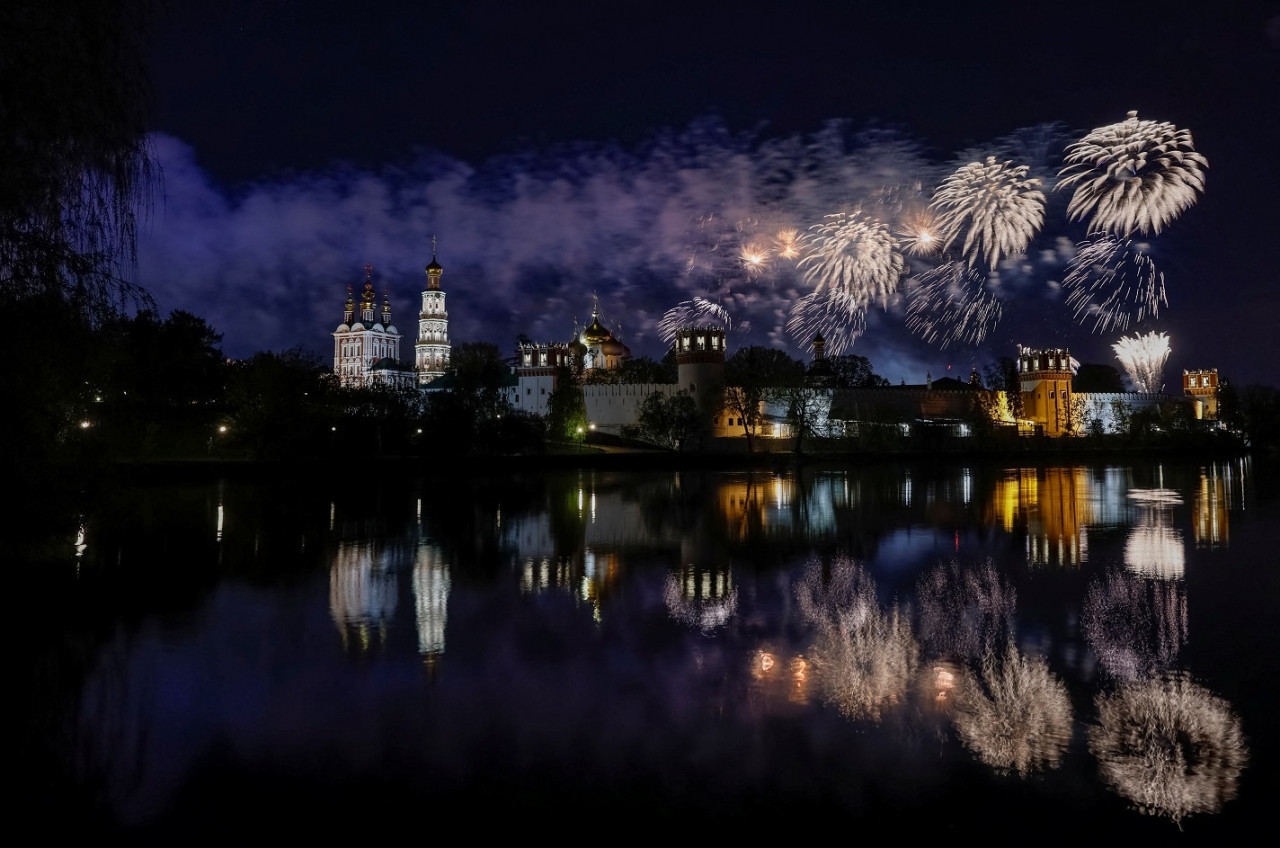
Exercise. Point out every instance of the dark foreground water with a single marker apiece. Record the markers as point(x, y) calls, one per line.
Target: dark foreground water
point(903, 651)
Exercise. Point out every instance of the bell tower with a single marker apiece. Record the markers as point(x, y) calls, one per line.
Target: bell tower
point(431, 351)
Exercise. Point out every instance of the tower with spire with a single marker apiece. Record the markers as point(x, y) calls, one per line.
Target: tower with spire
point(366, 345)
point(431, 351)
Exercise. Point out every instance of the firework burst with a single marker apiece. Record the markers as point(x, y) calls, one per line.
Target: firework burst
point(855, 257)
point(1134, 175)
point(698, 312)
point(994, 204)
point(1143, 358)
point(950, 304)
point(1113, 281)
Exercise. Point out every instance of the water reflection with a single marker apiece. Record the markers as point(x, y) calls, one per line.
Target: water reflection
point(1136, 626)
point(1014, 713)
point(1169, 746)
point(1155, 545)
point(820, 622)
point(864, 658)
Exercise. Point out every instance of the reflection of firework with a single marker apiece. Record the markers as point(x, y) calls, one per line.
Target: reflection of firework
point(699, 598)
point(1143, 358)
point(1171, 747)
point(1015, 714)
point(698, 312)
point(1113, 280)
point(1136, 627)
point(1134, 175)
point(951, 304)
point(995, 204)
point(864, 660)
point(965, 610)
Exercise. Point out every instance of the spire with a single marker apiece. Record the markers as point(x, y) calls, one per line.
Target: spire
point(434, 270)
point(386, 306)
point(368, 298)
point(349, 309)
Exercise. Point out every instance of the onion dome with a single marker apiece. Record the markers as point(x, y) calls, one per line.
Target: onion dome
point(595, 333)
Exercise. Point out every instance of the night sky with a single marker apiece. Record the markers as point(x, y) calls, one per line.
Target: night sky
point(560, 152)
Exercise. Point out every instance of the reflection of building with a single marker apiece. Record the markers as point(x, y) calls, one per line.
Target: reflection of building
point(362, 594)
point(1211, 507)
point(1056, 504)
point(366, 345)
point(431, 599)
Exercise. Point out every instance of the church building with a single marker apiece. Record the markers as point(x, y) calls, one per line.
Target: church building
point(366, 345)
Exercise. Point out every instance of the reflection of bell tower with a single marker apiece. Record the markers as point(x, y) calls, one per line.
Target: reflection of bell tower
point(1045, 382)
point(431, 352)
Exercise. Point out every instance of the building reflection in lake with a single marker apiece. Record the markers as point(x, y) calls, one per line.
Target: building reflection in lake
point(431, 584)
point(362, 594)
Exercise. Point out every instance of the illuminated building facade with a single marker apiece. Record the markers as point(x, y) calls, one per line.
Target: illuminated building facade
point(431, 350)
point(1203, 386)
point(366, 345)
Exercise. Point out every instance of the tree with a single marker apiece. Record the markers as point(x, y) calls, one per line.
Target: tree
point(1002, 375)
point(668, 421)
point(854, 372)
point(74, 173)
point(566, 407)
point(807, 407)
point(753, 376)
point(283, 405)
point(74, 163)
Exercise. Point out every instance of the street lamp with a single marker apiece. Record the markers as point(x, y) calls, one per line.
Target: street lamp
point(579, 439)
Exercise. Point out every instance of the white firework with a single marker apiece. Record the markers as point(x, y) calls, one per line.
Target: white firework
point(830, 313)
point(995, 205)
point(1113, 281)
point(1132, 176)
point(855, 258)
point(1143, 358)
point(952, 305)
point(698, 312)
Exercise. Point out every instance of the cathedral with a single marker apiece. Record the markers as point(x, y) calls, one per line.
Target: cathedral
point(366, 345)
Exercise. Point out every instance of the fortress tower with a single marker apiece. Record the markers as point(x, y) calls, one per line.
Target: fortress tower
point(1045, 382)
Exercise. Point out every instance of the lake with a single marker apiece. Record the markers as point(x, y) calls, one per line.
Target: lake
point(902, 649)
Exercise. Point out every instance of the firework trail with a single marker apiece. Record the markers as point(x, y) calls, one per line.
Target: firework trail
point(698, 312)
point(1143, 358)
point(950, 304)
point(839, 321)
point(1113, 281)
point(1134, 175)
point(994, 204)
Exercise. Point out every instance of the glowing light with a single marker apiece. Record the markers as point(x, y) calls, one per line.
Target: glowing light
point(1134, 175)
